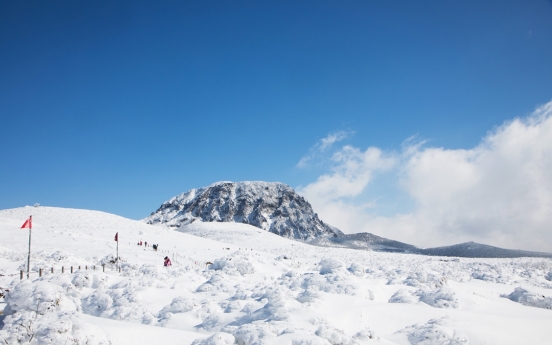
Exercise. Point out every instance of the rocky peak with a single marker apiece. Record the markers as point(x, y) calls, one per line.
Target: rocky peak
point(271, 206)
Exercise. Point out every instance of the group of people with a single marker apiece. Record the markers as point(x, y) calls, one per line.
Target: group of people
point(167, 262)
point(145, 244)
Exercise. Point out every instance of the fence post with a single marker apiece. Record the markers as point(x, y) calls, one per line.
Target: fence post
point(62, 269)
point(103, 267)
point(71, 269)
point(52, 270)
point(40, 272)
point(21, 275)
point(86, 268)
point(79, 268)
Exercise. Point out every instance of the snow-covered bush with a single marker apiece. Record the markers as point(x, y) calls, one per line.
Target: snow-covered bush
point(178, 305)
point(338, 282)
point(434, 332)
point(441, 298)
point(218, 283)
point(220, 338)
point(309, 295)
point(403, 296)
point(235, 264)
point(330, 265)
point(365, 334)
point(118, 304)
point(252, 334)
point(548, 276)
point(41, 312)
point(82, 279)
point(356, 269)
point(274, 310)
point(529, 298)
point(333, 335)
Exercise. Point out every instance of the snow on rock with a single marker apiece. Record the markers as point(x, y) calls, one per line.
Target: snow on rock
point(529, 298)
point(434, 332)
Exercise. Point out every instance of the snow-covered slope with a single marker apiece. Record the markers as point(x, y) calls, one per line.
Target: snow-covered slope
point(367, 241)
point(260, 289)
point(271, 206)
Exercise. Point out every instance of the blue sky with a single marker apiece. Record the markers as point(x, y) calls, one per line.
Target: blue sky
point(118, 106)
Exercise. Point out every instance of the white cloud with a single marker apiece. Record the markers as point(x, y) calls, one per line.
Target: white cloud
point(323, 145)
point(499, 192)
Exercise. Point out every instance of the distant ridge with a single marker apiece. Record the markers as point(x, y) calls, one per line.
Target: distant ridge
point(478, 250)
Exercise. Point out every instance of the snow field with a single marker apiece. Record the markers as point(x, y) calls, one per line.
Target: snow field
point(282, 292)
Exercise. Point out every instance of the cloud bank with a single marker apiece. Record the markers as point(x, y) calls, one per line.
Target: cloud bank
point(498, 193)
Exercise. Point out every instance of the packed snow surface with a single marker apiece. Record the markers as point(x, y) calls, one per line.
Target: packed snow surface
point(258, 288)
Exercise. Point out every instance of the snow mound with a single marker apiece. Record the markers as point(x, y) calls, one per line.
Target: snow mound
point(529, 298)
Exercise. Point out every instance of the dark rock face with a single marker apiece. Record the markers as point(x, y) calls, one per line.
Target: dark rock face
point(271, 206)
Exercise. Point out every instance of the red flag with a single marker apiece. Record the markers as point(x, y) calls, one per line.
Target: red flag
point(28, 223)
point(117, 237)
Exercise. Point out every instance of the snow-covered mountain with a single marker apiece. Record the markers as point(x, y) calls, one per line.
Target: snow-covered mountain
point(271, 206)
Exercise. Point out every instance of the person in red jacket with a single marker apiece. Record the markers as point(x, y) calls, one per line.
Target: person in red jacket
point(167, 262)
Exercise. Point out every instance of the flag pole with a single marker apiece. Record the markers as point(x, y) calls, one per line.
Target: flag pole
point(29, 257)
point(118, 266)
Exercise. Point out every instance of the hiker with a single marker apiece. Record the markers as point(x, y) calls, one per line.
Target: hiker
point(167, 262)
point(145, 244)
point(140, 242)
point(155, 247)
